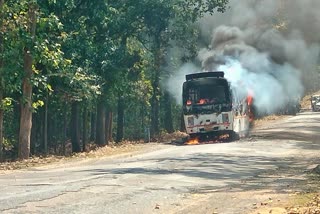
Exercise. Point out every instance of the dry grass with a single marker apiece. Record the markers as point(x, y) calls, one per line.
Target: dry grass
point(265, 120)
point(308, 203)
point(93, 152)
point(298, 203)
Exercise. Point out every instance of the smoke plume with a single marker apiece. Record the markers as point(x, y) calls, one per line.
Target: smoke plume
point(268, 48)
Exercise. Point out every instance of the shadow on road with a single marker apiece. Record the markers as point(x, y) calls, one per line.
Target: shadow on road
point(246, 169)
point(241, 172)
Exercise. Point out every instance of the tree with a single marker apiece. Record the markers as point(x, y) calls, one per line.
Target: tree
point(26, 101)
point(77, 85)
point(9, 77)
point(41, 57)
point(75, 128)
point(101, 123)
point(89, 57)
point(1, 78)
point(166, 21)
point(168, 120)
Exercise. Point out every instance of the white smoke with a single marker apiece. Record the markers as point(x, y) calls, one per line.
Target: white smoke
point(268, 91)
point(270, 48)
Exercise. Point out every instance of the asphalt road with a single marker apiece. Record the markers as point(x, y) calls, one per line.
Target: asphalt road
point(214, 178)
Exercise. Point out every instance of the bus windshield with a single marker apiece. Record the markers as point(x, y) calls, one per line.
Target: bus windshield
point(206, 94)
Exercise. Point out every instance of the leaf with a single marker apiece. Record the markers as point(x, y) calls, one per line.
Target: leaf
point(37, 104)
point(49, 87)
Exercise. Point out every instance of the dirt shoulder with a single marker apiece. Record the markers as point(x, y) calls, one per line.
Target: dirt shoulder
point(113, 150)
point(51, 161)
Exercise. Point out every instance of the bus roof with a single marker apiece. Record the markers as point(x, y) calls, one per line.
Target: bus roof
point(216, 74)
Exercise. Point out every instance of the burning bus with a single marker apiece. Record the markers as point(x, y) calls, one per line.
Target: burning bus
point(212, 109)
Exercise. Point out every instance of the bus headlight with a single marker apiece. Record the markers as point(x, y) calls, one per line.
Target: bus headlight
point(190, 121)
point(225, 118)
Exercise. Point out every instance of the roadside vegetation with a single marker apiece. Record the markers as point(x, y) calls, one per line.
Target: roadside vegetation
point(78, 72)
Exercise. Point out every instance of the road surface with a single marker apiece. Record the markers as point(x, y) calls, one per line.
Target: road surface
point(216, 178)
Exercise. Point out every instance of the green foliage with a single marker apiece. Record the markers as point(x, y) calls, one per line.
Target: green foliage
point(37, 104)
point(85, 50)
point(84, 86)
point(6, 103)
point(8, 145)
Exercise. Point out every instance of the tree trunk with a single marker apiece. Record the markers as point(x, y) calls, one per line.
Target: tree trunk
point(109, 120)
point(1, 83)
point(75, 127)
point(45, 126)
point(155, 129)
point(26, 101)
point(168, 122)
point(33, 141)
point(26, 109)
point(36, 132)
point(64, 130)
point(85, 129)
point(120, 119)
point(1, 127)
point(93, 124)
point(101, 123)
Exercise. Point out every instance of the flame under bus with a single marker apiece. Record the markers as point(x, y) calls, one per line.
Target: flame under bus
point(208, 107)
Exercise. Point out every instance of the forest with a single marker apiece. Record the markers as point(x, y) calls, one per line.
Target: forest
point(81, 71)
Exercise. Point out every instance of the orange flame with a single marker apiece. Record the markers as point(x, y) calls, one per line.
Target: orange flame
point(224, 137)
point(194, 141)
point(250, 105)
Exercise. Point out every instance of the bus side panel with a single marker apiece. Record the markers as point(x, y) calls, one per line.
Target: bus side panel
point(241, 122)
point(241, 125)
